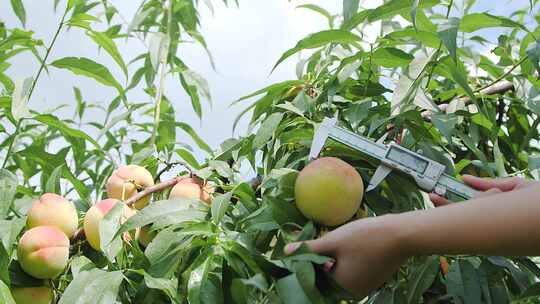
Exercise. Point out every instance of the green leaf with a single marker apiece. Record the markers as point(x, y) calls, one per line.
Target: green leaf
point(19, 99)
point(350, 7)
point(197, 83)
point(390, 57)
point(93, 287)
point(462, 281)
point(422, 278)
point(188, 157)
point(158, 48)
point(534, 162)
point(482, 120)
point(446, 124)
point(166, 135)
point(532, 292)
point(201, 288)
point(414, 11)
point(398, 7)
point(499, 159)
point(534, 55)
point(474, 22)
point(166, 212)
point(141, 155)
point(271, 88)
point(220, 203)
point(10, 230)
point(448, 31)
point(266, 130)
point(80, 264)
point(89, 68)
point(111, 244)
point(5, 294)
point(319, 10)
point(198, 140)
point(18, 8)
point(53, 122)
point(168, 286)
point(459, 75)
point(320, 39)
point(290, 290)
point(8, 189)
point(53, 181)
point(110, 47)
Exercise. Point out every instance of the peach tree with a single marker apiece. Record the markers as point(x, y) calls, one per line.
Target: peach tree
point(429, 75)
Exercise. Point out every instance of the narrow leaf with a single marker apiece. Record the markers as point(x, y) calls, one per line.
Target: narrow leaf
point(19, 99)
point(320, 39)
point(110, 47)
point(448, 31)
point(219, 206)
point(18, 8)
point(89, 68)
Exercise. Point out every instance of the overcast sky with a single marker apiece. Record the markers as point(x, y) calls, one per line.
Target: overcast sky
point(245, 42)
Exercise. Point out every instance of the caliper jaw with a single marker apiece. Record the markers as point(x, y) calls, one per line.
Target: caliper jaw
point(320, 137)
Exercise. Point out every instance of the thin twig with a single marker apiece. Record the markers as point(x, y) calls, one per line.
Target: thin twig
point(169, 166)
point(41, 67)
point(163, 71)
point(502, 76)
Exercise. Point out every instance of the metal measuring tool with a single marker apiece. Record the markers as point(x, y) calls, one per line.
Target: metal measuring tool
point(428, 174)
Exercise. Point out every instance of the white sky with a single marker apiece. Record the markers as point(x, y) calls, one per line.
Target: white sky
point(245, 42)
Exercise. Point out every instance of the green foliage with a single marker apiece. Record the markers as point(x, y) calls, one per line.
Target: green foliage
point(426, 82)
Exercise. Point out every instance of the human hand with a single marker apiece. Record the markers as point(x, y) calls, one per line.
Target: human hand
point(367, 252)
point(487, 186)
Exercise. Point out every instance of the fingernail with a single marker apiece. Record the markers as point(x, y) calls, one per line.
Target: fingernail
point(292, 247)
point(329, 265)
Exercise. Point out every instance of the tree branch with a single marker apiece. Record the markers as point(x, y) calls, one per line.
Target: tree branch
point(493, 89)
point(79, 234)
point(156, 188)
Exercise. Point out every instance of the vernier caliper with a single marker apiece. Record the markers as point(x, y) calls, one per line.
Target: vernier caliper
point(428, 174)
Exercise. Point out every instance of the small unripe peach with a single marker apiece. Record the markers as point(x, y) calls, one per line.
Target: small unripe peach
point(95, 214)
point(192, 188)
point(33, 295)
point(126, 181)
point(329, 191)
point(43, 252)
point(145, 236)
point(53, 210)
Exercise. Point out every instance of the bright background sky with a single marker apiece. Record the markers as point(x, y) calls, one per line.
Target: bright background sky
point(245, 42)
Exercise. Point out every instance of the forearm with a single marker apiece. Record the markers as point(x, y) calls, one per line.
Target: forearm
point(506, 224)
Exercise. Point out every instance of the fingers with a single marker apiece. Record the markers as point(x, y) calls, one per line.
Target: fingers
point(489, 192)
point(437, 200)
point(484, 184)
point(319, 246)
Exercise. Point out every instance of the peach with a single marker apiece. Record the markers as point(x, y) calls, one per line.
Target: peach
point(43, 252)
point(127, 181)
point(95, 214)
point(33, 295)
point(53, 210)
point(329, 191)
point(193, 188)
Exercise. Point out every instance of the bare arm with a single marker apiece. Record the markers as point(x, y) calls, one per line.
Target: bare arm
point(502, 224)
point(504, 221)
